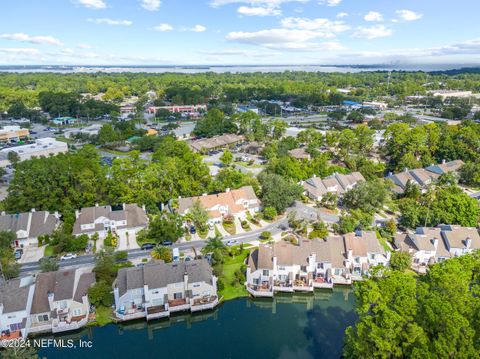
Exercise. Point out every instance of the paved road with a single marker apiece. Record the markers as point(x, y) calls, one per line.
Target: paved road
point(311, 213)
point(248, 237)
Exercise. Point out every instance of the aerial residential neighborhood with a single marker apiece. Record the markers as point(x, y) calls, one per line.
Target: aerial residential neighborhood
point(239, 179)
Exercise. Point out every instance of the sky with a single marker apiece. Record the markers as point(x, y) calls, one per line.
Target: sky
point(238, 32)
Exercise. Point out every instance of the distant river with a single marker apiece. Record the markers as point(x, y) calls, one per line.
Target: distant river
point(214, 68)
point(297, 326)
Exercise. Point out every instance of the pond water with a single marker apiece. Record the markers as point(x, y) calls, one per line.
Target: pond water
point(289, 326)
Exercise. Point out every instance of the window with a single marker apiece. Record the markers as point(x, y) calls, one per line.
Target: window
point(77, 312)
point(43, 318)
point(63, 304)
point(265, 272)
point(16, 326)
point(255, 281)
point(281, 268)
point(196, 285)
point(372, 256)
point(178, 295)
point(303, 268)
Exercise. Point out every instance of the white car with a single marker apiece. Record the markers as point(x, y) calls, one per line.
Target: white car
point(232, 242)
point(68, 256)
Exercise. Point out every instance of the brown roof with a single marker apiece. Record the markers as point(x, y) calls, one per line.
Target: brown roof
point(356, 244)
point(230, 199)
point(299, 153)
point(84, 283)
point(44, 284)
point(14, 294)
point(457, 237)
point(215, 142)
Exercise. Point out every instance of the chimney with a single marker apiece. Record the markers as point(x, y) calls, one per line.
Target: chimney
point(227, 190)
point(33, 210)
point(314, 175)
point(77, 213)
point(350, 253)
point(405, 169)
point(444, 161)
point(123, 206)
point(390, 174)
point(468, 242)
point(96, 204)
point(56, 214)
point(435, 243)
point(204, 194)
point(3, 213)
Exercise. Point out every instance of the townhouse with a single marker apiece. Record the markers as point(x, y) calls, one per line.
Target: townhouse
point(363, 251)
point(230, 203)
point(29, 226)
point(203, 145)
point(16, 296)
point(128, 220)
point(60, 301)
point(158, 289)
point(318, 263)
point(338, 183)
point(422, 177)
point(432, 245)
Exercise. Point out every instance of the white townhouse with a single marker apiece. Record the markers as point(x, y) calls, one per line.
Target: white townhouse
point(158, 289)
point(235, 203)
point(460, 240)
point(60, 301)
point(363, 251)
point(28, 226)
point(16, 297)
point(130, 218)
point(315, 188)
point(286, 267)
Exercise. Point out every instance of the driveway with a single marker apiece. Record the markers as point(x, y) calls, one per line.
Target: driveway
point(32, 253)
point(127, 240)
point(312, 214)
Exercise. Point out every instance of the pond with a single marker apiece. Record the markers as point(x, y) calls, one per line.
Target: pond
point(289, 326)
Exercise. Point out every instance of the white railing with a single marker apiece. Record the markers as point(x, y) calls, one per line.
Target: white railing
point(179, 308)
point(260, 293)
point(40, 328)
point(131, 316)
point(206, 306)
point(65, 327)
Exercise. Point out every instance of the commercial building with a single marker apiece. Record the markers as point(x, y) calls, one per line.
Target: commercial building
point(42, 147)
point(178, 108)
point(9, 134)
point(215, 143)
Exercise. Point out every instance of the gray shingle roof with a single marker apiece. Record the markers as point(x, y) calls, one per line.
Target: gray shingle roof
point(14, 295)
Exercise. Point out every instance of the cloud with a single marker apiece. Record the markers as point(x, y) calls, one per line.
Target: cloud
point(286, 39)
point(84, 46)
point(330, 2)
point(273, 3)
point(342, 15)
point(198, 28)
point(238, 52)
point(329, 28)
point(93, 4)
point(373, 16)
point(151, 5)
point(20, 51)
point(372, 32)
point(111, 22)
point(163, 27)
point(259, 11)
point(408, 15)
point(19, 36)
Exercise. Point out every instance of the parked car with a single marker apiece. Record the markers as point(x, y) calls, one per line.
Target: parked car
point(68, 256)
point(232, 242)
point(193, 230)
point(147, 246)
point(166, 243)
point(18, 254)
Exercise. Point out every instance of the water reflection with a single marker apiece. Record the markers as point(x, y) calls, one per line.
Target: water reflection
point(287, 326)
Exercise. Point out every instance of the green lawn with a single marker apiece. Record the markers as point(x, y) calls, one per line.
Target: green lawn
point(231, 265)
point(48, 251)
point(103, 316)
point(230, 228)
point(64, 139)
point(246, 164)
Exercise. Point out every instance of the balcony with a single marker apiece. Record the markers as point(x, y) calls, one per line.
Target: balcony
point(283, 286)
point(62, 326)
point(8, 335)
point(204, 303)
point(178, 305)
point(157, 311)
point(300, 285)
point(321, 282)
point(260, 290)
point(131, 313)
point(43, 327)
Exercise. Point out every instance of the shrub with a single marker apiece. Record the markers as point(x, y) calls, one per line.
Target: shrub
point(220, 284)
point(266, 235)
point(269, 213)
point(121, 256)
point(101, 294)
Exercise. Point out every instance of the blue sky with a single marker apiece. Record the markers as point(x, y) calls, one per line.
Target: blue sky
point(99, 32)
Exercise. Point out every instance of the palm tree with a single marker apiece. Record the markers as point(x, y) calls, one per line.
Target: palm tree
point(163, 253)
point(214, 244)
